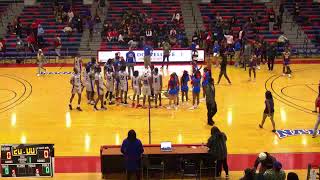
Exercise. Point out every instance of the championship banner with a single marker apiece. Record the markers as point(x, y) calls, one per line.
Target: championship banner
point(176, 55)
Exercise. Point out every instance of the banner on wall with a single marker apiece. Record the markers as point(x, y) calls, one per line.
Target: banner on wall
point(177, 55)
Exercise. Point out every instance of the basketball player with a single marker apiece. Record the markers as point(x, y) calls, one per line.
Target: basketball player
point(184, 85)
point(40, 61)
point(78, 63)
point(76, 88)
point(90, 79)
point(109, 76)
point(286, 63)
point(253, 66)
point(99, 84)
point(172, 91)
point(146, 87)
point(268, 111)
point(123, 76)
point(116, 67)
point(157, 86)
point(136, 86)
point(216, 50)
point(196, 80)
point(317, 110)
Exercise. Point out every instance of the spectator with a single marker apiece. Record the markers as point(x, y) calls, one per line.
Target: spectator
point(241, 35)
point(34, 28)
point(219, 20)
point(149, 34)
point(218, 150)
point(10, 28)
point(176, 17)
point(31, 42)
point(121, 39)
point(97, 22)
point(133, 43)
point(249, 174)
point(271, 54)
point(195, 37)
point(172, 40)
point(271, 20)
point(292, 176)
point(40, 36)
point(237, 49)
point(2, 46)
point(276, 173)
point(247, 52)
point(68, 29)
point(132, 150)
point(279, 22)
point(208, 43)
point(114, 35)
point(109, 36)
point(265, 160)
point(281, 10)
point(20, 49)
point(70, 15)
point(90, 26)
point(57, 46)
point(229, 38)
point(282, 41)
point(18, 27)
point(173, 32)
point(79, 23)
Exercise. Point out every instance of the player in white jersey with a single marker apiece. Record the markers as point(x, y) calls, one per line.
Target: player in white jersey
point(76, 83)
point(157, 86)
point(146, 87)
point(89, 78)
point(123, 77)
point(78, 63)
point(109, 76)
point(100, 85)
point(136, 86)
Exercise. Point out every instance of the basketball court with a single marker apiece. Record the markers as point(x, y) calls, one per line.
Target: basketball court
point(35, 110)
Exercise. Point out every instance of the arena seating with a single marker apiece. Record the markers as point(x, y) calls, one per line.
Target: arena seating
point(309, 20)
point(43, 12)
point(242, 10)
point(160, 10)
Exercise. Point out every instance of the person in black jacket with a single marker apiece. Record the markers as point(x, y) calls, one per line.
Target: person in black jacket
point(210, 101)
point(271, 53)
point(265, 160)
point(218, 150)
point(223, 65)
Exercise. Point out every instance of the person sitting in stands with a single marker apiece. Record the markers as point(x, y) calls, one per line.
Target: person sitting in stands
point(68, 29)
point(265, 160)
point(276, 173)
point(132, 150)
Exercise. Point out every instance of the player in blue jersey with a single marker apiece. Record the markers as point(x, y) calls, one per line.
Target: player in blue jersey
point(205, 80)
point(131, 61)
point(172, 91)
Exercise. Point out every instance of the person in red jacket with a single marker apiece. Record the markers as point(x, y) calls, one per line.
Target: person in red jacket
point(57, 46)
point(31, 42)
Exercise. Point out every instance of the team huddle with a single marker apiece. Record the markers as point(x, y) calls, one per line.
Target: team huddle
point(113, 84)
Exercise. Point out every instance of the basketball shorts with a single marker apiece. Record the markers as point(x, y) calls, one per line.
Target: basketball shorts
point(156, 90)
point(124, 87)
point(76, 90)
point(137, 90)
point(90, 86)
point(110, 88)
point(100, 91)
point(146, 91)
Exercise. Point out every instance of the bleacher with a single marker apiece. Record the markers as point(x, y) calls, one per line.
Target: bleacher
point(242, 10)
point(43, 12)
point(160, 10)
point(309, 20)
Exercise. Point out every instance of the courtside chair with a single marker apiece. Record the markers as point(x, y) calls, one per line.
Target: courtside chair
point(189, 169)
point(208, 168)
point(154, 163)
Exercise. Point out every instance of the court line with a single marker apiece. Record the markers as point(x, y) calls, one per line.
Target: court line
point(16, 102)
point(283, 100)
point(282, 92)
point(312, 89)
point(15, 95)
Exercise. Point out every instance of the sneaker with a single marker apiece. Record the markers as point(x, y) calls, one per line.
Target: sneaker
point(111, 103)
point(192, 107)
point(314, 136)
point(274, 131)
point(249, 79)
point(210, 123)
point(289, 75)
point(79, 109)
point(105, 103)
point(95, 108)
point(283, 74)
point(88, 102)
point(260, 126)
point(227, 176)
point(125, 103)
point(70, 106)
point(258, 67)
point(169, 107)
point(92, 103)
point(155, 106)
point(138, 106)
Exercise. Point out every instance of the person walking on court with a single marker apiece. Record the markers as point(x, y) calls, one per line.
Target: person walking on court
point(268, 111)
point(210, 101)
point(166, 53)
point(130, 61)
point(271, 53)
point(218, 150)
point(40, 61)
point(147, 55)
point(247, 51)
point(253, 66)
point(223, 66)
point(132, 150)
point(76, 83)
point(317, 110)
point(286, 63)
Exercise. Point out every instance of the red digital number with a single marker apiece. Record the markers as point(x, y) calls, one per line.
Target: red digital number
point(8, 155)
point(46, 154)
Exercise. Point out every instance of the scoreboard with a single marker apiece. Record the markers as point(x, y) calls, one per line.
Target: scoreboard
point(27, 160)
